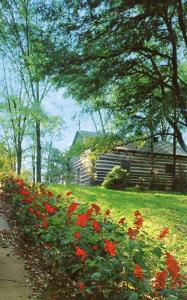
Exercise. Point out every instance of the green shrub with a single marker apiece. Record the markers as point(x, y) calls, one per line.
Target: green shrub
point(117, 178)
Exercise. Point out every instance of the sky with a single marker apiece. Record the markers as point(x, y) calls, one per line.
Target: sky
point(65, 107)
point(56, 103)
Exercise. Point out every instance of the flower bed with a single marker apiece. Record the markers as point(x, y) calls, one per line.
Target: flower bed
point(102, 259)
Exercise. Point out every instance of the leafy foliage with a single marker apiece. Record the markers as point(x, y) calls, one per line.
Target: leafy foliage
point(123, 57)
point(117, 178)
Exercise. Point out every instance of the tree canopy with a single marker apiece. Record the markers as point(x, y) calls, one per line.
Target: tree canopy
point(124, 56)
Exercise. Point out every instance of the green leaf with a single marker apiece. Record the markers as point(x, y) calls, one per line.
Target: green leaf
point(96, 276)
point(76, 268)
point(138, 257)
point(133, 296)
point(118, 267)
point(158, 251)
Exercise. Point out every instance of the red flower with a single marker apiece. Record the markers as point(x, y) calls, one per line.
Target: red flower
point(20, 182)
point(77, 234)
point(28, 200)
point(138, 219)
point(81, 253)
point(82, 220)
point(138, 273)
point(137, 214)
point(174, 269)
point(38, 214)
point(89, 212)
point(49, 208)
point(47, 246)
point(50, 194)
point(110, 247)
point(45, 224)
point(132, 233)
point(138, 222)
point(81, 285)
point(24, 192)
point(71, 208)
point(96, 208)
point(36, 226)
point(107, 212)
point(31, 210)
point(163, 233)
point(121, 221)
point(95, 247)
point(96, 226)
point(68, 194)
point(160, 280)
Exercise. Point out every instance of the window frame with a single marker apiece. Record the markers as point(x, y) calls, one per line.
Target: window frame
point(168, 168)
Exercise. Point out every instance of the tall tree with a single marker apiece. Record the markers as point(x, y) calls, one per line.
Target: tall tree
point(15, 111)
point(20, 42)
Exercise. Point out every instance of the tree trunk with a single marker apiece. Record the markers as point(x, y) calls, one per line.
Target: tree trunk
point(38, 152)
point(95, 125)
point(33, 165)
point(102, 123)
point(48, 161)
point(174, 161)
point(176, 91)
point(19, 157)
point(152, 162)
point(178, 134)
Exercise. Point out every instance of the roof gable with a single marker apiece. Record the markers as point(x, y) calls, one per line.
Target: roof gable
point(84, 134)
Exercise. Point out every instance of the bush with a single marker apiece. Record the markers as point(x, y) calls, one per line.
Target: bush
point(103, 259)
point(117, 178)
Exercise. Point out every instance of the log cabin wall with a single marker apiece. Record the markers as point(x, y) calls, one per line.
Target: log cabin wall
point(138, 164)
point(79, 173)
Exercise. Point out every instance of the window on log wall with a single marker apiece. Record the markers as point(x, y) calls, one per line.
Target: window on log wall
point(169, 168)
point(125, 164)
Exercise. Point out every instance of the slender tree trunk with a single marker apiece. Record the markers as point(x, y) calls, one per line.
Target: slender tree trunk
point(38, 138)
point(14, 161)
point(19, 157)
point(33, 165)
point(92, 117)
point(48, 160)
point(176, 91)
point(152, 162)
point(38, 152)
point(178, 134)
point(174, 161)
point(101, 120)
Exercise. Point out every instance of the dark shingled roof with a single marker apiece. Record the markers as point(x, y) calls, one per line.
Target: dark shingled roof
point(84, 134)
point(158, 148)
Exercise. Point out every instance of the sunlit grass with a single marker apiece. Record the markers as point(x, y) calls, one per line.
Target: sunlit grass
point(160, 209)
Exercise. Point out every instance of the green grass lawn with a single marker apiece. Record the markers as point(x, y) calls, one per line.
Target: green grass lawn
point(160, 209)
